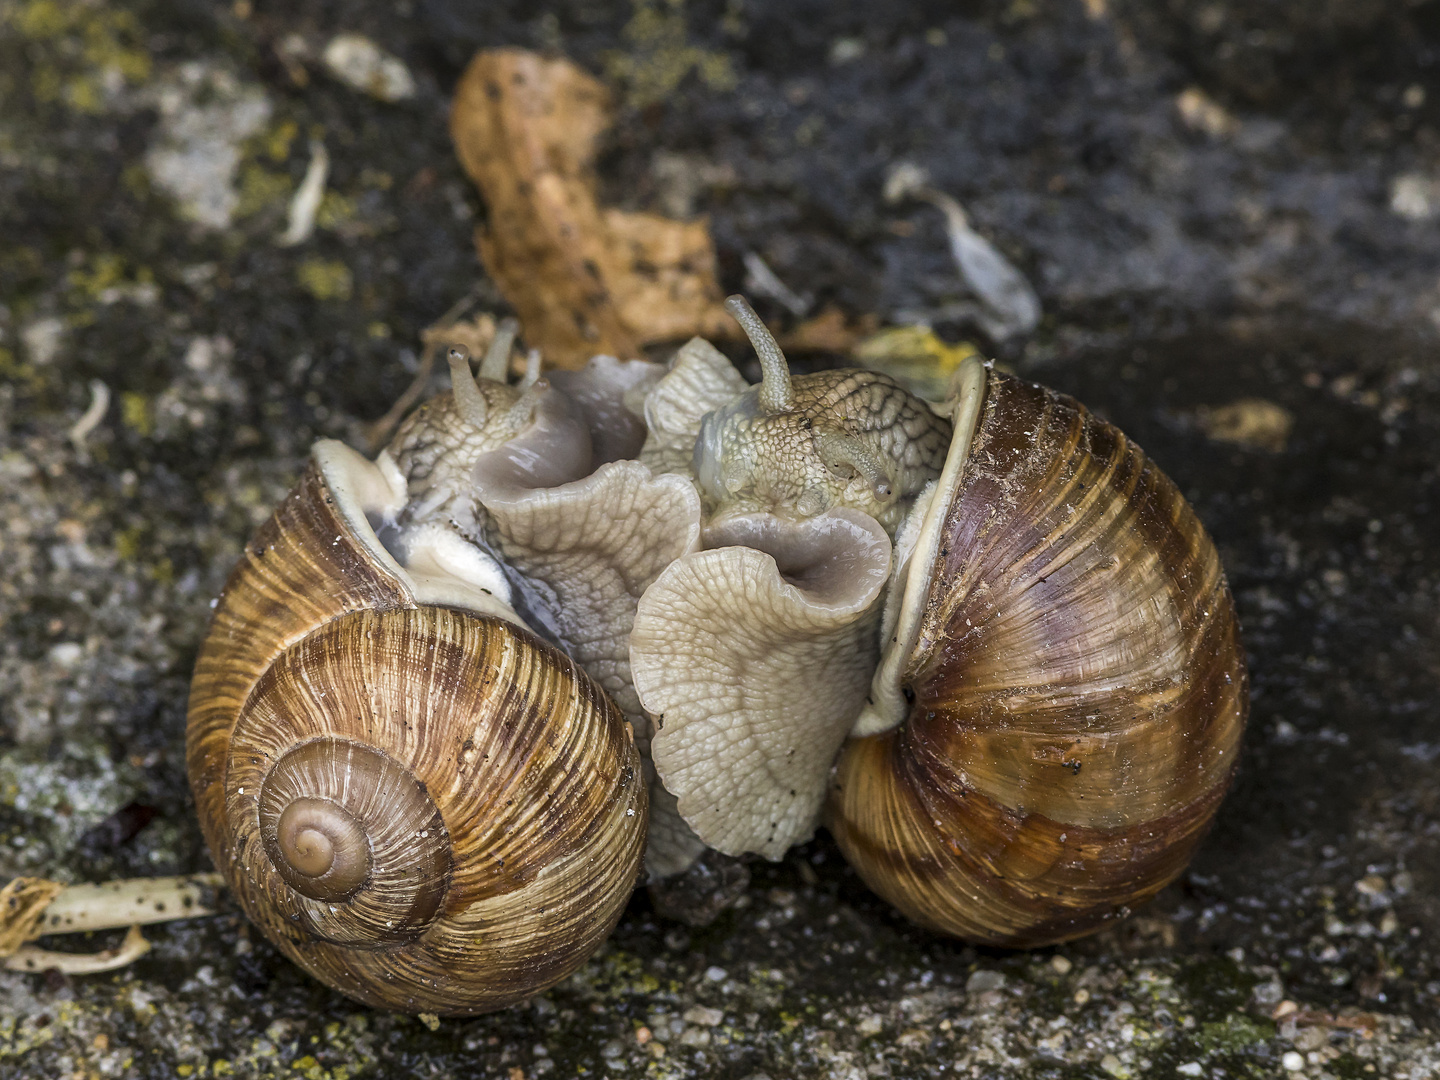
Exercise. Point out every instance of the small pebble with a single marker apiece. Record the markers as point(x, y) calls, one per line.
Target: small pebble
point(981, 981)
point(704, 1016)
point(716, 974)
point(1292, 1062)
point(1370, 885)
point(362, 65)
point(1061, 965)
point(1190, 1068)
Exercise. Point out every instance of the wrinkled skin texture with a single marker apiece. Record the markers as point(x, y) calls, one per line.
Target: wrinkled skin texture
point(849, 438)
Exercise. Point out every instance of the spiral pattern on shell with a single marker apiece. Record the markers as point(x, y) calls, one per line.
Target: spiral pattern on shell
point(1078, 688)
point(429, 809)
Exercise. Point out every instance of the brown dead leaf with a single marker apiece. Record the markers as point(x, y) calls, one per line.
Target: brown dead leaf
point(830, 331)
point(582, 279)
point(1249, 422)
point(22, 902)
point(475, 334)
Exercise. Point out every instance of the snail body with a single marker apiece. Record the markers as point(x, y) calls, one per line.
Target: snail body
point(418, 799)
point(1015, 696)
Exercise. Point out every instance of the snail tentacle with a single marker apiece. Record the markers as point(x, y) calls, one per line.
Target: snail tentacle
point(775, 390)
point(469, 402)
point(496, 364)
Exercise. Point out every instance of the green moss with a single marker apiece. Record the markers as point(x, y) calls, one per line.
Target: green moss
point(79, 49)
point(660, 55)
point(18, 372)
point(137, 414)
point(1217, 985)
point(335, 210)
point(1234, 1033)
point(261, 189)
point(325, 279)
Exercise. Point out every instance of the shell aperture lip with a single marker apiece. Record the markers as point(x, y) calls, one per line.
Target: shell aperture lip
point(886, 707)
point(757, 654)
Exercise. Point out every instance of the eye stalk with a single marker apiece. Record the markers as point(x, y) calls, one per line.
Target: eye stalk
point(799, 446)
point(776, 395)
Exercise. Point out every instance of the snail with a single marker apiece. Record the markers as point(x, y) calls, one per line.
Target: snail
point(988, 645)
point(993, 652)
point(411, 789)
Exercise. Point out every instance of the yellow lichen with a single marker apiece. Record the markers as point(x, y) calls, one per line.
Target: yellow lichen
point(83, 51)
point(660, 55)
point(325, 279)
point(916, 356)
point(279, 139)
point(261, 188)
point(136, 414)
point(335, 210)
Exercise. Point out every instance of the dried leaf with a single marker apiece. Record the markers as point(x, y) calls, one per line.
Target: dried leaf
point(830, 331)
point(22, 902)
point(1250, 422)
point(475, 334)
point(583, 280)
point(127, 952)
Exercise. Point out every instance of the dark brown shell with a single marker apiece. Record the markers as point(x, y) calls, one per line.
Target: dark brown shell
point(1079, 691)
point(499, 789)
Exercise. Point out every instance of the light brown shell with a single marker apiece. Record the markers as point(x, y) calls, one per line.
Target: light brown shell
point(1079, 691)
point(499, 789)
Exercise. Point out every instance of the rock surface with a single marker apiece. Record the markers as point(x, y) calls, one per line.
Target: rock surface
point(1231, 214)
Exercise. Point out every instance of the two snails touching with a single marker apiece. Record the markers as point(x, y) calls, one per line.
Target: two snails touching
point(455, 698)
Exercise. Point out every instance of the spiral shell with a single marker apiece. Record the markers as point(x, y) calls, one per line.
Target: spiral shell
point(428, 808)
point(1077, 690)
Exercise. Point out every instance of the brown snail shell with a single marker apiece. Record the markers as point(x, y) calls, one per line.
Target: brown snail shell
point(428, 808)
point(1077, 691)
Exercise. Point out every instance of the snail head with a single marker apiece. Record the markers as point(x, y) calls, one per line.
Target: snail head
point(801, 445)
point(437, 446)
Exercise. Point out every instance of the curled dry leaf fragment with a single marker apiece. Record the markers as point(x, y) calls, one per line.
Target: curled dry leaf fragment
point(583, 279)
point(1008, 306)
point(22, 903)
point(33, 907)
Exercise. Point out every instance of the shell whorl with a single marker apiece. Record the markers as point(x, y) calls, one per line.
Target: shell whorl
point(1078, 688)
point(429, 809)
